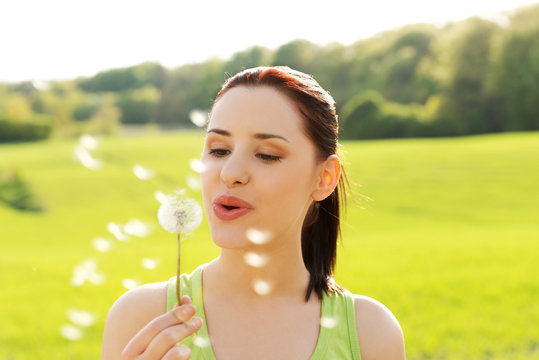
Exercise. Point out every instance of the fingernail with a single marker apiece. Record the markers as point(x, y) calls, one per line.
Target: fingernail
point(196, 321)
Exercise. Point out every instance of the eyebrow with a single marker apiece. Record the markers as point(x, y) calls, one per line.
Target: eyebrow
point(261, 136)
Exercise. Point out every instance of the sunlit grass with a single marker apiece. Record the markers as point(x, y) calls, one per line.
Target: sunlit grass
point(449, 241)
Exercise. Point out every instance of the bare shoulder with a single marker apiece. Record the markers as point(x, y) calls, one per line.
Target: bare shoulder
point(129, 314)
point(379, 332)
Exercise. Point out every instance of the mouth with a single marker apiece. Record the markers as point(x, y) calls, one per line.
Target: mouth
point(229, 208)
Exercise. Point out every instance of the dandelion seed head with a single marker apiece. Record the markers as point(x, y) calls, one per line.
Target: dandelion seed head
point(71, 332)
point(143, 173)
point(88, 142)
point(258, 237)
point(130, 283)
point(200, 341)
point(179, 214)
point(101, 244)
point(197, 165)
point(328, 322)
point(136, 227)
point(256, 260)
point(262, 287)
point(198, 117)
point(80, 317)
point(150, 264)
point(116, 230)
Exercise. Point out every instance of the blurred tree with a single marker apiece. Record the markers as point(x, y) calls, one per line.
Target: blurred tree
point(298, 54)
point(125, 78)
point(252, 57)
point(513, 85)
point(465, 52)
point(138, 106)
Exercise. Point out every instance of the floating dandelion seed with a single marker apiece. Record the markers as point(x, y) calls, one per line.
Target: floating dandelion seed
point(41, 85)
point(193, 182)
point(200, 341)
point(197, 165)
point(328, 322)
point(257, 237)
point(179, 215)
point(116, 230)
point(136, 227)
point(101, 244)
point(86, 271)
point(130, 283)
point(71, 332)
point(160, 196)
point(150, 264)
point(198, 117)
point(256, 260)
point(80, 317)
point(262, 287)
point(88, 142)
point(142, 173)
point(86, 159)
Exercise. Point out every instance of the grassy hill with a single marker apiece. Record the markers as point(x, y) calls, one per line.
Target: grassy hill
point(449, 239)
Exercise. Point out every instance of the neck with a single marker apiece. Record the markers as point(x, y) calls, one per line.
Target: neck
point(272, 271)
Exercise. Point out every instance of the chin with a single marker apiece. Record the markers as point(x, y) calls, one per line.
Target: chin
point(229, 238)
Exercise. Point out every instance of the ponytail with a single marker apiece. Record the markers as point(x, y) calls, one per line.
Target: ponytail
point(321, 228)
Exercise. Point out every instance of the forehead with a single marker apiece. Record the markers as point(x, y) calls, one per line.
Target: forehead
point(259, 109)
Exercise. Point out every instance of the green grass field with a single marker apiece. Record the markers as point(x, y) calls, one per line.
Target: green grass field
point(449, 240)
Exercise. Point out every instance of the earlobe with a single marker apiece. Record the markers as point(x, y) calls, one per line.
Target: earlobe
point(330, 173)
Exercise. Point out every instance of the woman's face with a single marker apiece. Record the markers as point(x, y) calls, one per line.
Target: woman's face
point(260, 167)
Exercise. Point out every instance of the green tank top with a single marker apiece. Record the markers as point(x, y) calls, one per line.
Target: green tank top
point(337, 338)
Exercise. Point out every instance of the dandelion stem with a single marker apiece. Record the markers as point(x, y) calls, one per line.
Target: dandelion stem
point(178, 273)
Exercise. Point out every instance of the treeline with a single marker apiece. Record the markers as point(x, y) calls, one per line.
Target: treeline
point(468, 77)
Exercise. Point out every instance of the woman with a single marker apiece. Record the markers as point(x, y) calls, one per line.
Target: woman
point(271, 192)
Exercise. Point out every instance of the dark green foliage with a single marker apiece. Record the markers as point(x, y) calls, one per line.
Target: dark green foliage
point(125, 78)
point(15, 192)
point(29, 130)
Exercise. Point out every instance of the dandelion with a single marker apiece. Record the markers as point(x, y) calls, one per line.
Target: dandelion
point(71, 332)
point(143, 173)
point(179, 215)
point(130, 283)
point(198, 117)
point(80, 317)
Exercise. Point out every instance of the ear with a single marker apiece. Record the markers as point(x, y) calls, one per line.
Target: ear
point(329, 175)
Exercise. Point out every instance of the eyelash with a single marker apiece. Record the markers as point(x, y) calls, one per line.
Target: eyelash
point(219, 153)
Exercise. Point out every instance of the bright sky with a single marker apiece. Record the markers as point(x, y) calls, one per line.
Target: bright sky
point(63, 39)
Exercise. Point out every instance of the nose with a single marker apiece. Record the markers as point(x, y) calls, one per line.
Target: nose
point(234, 171)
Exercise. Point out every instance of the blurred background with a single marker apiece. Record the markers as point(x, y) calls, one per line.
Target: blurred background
point(101, 109)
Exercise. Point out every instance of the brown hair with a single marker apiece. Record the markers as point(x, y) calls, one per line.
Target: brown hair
point(321, 226)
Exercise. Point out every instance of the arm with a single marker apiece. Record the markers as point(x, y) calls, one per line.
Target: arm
point(380, 335)
point(138, 323)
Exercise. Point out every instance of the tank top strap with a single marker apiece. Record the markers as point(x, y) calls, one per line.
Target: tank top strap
point(338, 337)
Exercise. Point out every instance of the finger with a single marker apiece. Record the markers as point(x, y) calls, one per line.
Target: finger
point(185, 300)
point(178, 352)
point(169, 337)
point(142, 339)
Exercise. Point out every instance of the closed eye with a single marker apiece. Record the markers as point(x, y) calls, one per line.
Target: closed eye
point(219, 152)
point(268, 158)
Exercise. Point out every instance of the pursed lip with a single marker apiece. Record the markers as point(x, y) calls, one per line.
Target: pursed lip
point(227, 207)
